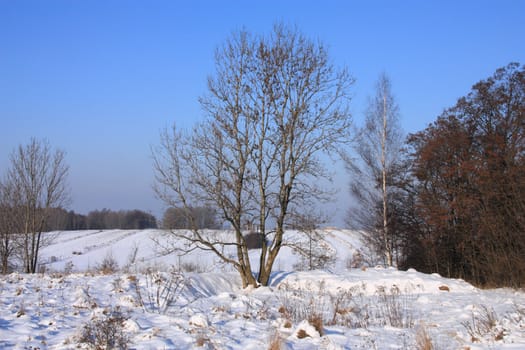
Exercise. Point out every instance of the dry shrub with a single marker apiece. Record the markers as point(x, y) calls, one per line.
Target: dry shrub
point(348, 307)
point(159, 290)
point(485, 323)
point(132, 278)
point(22, 310)
point(108, 265)
point(345, 307)
point(517, 316)
point(201, 340)
point(285, 312)
point(342, 306)
point(107, 332)
point(394, 307)
point(355, 261)
point(301, 304)
point(192, 267)
point(316, 320)
point(254, 240)
point(69, 267)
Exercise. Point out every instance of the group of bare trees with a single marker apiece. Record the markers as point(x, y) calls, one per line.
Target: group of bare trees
point(274, 105)
point(35, 182)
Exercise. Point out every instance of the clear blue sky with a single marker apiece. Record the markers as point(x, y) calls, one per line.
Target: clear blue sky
point(99, 79)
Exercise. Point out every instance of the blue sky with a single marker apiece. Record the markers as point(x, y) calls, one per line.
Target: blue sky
point(100, 79)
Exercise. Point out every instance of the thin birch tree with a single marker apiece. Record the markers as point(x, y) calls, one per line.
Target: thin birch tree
point(378, 149)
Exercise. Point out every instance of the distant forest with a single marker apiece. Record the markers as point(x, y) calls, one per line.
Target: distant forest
point(61, 220)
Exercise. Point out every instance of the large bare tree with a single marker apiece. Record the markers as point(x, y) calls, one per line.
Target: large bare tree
point(274, 105)
point(378, 148)
point(37, 183)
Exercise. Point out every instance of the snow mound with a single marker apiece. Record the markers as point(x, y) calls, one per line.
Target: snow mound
point(168, 301)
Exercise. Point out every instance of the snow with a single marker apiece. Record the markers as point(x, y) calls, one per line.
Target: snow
point(153, 305)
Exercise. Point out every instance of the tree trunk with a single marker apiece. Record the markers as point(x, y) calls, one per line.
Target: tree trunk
point(247, 277)
point(265, 274)
point(388, 250)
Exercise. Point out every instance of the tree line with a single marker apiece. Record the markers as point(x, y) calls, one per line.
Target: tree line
point(60, 219)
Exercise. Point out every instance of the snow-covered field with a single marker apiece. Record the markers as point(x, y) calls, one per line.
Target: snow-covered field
point(150, 304)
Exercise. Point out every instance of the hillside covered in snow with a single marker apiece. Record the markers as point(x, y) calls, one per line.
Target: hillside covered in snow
point(121, 289)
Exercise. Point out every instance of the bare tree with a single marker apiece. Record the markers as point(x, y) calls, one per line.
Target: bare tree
point(10, 224)
point(378, 149)
point(314, 251)
point(275, 104)
point(37, 176)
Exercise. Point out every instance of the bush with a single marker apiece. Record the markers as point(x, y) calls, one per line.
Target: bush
point(192, 267)
point(160, 290)
point(106, 332)
point(254, 240)
point(484, 324)
point(394, 307)
point(108, 266)
point(301, 305)
point(355, 261)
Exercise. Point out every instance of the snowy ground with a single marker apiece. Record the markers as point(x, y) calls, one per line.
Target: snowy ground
point(150, 304)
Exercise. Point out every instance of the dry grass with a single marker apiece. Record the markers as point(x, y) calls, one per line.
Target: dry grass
point(484, 324)
point(316, 320)
point(394, 307)
point(201, 341)
point(275, 342)
point(348, 307)
point(423, 340)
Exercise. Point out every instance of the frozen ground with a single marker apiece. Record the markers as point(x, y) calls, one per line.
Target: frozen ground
point(150, 304)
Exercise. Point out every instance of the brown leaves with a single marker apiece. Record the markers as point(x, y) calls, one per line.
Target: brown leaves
point(470, 166)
